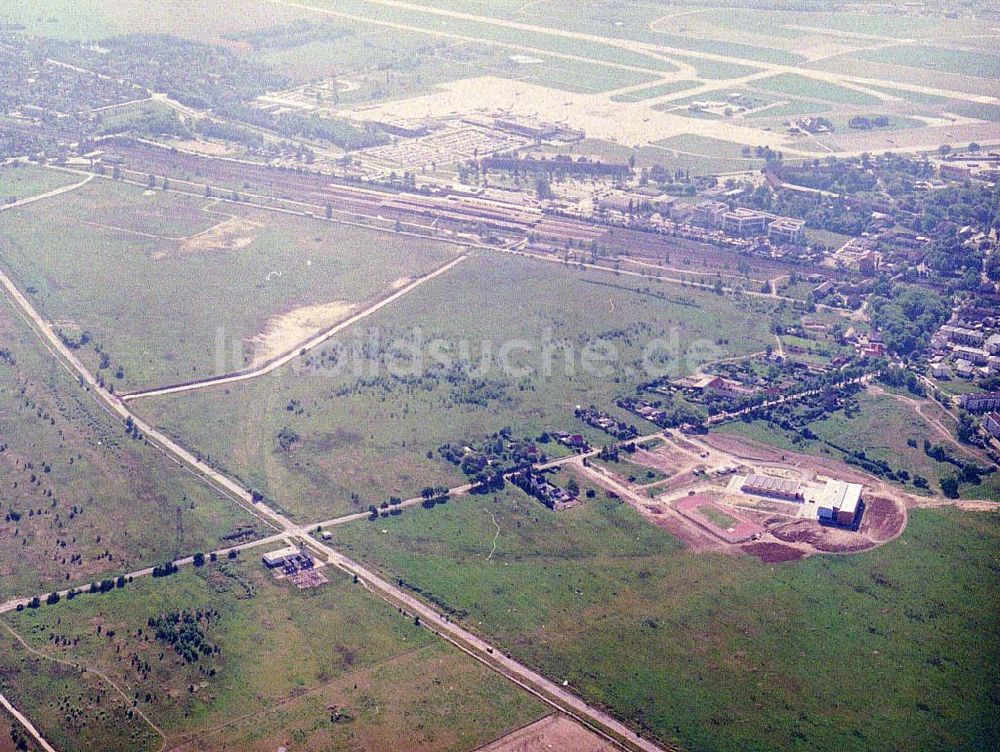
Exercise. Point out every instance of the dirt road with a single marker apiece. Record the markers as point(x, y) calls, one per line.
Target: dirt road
point(39, 739)
point(298, 350)
point(48, 194)
point(555, 695)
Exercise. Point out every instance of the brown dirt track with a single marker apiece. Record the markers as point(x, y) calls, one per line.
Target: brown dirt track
point(754, 450)
point(555, 732)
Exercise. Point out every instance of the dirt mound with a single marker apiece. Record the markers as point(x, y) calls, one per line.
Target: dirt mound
point(801, 531)
point(823, 539)
point(883, 519)
point(773, 553)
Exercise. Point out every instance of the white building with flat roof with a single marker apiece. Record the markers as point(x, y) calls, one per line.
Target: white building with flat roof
point(838, 502)
point(275, 559)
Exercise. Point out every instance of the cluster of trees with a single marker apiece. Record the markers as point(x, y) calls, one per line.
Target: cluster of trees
point(966, 472)
point(868, 122)
point(343, 133)
point(500, 452)
point(104, 586)
point(907, 317)
point(165, 570)
point(182, 630)
point(433, 495)
point(287, 438)
point(391, 506)
point(877, 467)
point(900, 378)
point(796, 417)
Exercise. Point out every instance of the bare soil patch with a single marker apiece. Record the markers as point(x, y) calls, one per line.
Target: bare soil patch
point(664, 458)
point(754, 450)
point(232, 234)
point(554, 732)
point(289, 330)
point(823, 539)
point(746, 448)
point(773, 553)
point(884, 518)
point(702, 507)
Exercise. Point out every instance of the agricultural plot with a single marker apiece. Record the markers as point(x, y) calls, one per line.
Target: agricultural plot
point(677, 643)
point(432, 368)
point(225, 657)
point(79, 499)
point(233, 285)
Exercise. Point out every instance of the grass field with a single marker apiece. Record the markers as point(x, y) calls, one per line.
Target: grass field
point(63, 19)
point(631, 471)
point(723, 654)
point(21, 181)
point(658, 90)
point(702, 155)
point(717, 518)
point(365, 428)
point(78, 498)
point(795, 85)
point(221, 274)
point(966, 63)
point(317, 669)
point(884, 429)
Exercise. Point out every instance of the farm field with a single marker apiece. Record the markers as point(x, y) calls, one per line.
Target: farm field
point(678, 643)
point(365, 426)
point(277, 666)
point(234, 284)
point(886, 428)
point(79, 499)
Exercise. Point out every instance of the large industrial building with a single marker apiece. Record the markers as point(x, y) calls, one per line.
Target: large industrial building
point(839, 502)
point(772, 487)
